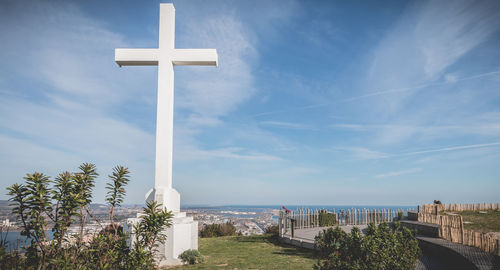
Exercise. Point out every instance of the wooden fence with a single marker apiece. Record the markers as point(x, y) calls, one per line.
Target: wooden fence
point(308, 218)
point(452, 229)
point(436, 208)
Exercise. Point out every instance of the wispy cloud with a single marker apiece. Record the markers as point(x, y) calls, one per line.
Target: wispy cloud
point(285, 125)
point(203, 103)
point(423, 86)
point(361, 153)
point(398, 173)
point(447, 81)
point(394, 133)
point(216, 91)
point(191, 153)
point(445, 32)
point(68, 87)
point(452, 148)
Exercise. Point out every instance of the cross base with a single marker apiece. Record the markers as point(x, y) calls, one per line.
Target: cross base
point(181, 236)
point(168, 197)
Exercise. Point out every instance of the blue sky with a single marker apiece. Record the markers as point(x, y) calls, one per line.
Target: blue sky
point(313, 102)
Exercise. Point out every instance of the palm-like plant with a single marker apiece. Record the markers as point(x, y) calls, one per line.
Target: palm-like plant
point(66, 205)
point(116, 191)
point(32, 202)
point(84, 183)
point(149, 231)
point(70, 194)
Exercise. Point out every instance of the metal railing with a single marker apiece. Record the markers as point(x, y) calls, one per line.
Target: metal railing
point(304, 218)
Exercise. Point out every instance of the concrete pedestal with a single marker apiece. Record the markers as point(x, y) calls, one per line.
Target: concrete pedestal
point(181, 236)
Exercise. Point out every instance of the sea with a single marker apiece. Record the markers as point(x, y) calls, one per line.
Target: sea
point(251, 211)
point(14, 239)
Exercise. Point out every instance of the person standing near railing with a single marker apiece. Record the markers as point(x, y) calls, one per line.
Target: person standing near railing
point(292, 221)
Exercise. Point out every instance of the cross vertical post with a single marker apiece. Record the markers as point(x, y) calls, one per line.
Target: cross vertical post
point(183, 233)
point(166, 56)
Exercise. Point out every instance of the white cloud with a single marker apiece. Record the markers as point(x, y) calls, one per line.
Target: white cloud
point(203, 103)
point(190, 153)
point(398, 173)
point(453, 148)
point(60, 111)
point(450, 78)
point(55, 44)
point(285, 125)
point(430, 37)
point(355, 127)
point(445, 32)
point(216, 91)
point(53, 139)
point(362, 153)
point(484, 125)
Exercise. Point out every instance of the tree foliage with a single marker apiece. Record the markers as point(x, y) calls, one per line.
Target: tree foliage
point(216, 230)
point(326, 219)
point(116, 191)
point(42, 204)
point(383, 247)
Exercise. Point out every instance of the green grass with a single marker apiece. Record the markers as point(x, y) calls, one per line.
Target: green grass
point(482, 222)
point(251, 252)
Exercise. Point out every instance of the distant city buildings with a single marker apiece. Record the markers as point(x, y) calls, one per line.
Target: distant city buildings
point(246, 221)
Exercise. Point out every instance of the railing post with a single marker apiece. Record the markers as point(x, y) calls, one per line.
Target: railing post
point(279, 223)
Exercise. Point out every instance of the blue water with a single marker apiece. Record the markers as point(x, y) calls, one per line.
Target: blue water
point(15, 238)
point(258, 209)
point(262, 208)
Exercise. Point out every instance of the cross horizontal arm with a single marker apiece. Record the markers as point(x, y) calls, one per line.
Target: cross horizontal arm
point(195, 57)
point(136, 57)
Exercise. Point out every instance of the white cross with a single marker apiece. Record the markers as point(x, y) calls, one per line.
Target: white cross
point(165, 57)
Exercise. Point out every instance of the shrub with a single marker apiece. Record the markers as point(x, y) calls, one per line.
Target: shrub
point(210, 230)
point(42, 204)
point(227, 229)
point(272, 229)
point(326, 218)
point(216, 230)
point(191, 256)
point(437, 202)
point(401, 215)
point(383, 247)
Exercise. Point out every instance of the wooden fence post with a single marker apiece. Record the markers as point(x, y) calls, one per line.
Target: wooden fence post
point(498, 247)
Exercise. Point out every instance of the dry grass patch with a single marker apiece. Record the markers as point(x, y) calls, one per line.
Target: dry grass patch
point(481, 221)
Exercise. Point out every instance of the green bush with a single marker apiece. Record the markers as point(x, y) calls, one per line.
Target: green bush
point(210, 230)
point(216, 230)
point(383, 247)
point(41, 204)
point(272, 230)
point(326, 218)
point(401, 215)
point(227, 229)
point(191, 256)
